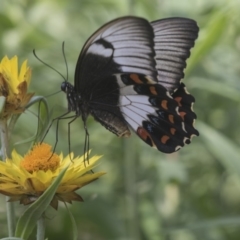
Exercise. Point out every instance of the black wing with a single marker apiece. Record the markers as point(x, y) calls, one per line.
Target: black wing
point(123, 45)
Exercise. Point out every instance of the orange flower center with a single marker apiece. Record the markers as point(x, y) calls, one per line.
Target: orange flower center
point(41, 158)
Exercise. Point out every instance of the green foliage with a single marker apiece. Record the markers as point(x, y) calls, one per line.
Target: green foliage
point(193, 194)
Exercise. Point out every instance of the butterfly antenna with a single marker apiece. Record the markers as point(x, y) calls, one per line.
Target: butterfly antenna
point(46, 64)
point(65, 59)
point(52, 94)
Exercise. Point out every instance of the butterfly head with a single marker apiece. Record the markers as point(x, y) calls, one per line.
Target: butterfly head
point(66, 87)
point(74, 100)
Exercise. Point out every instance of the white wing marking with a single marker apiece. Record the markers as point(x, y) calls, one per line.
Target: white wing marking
point(135, 109)
point(99, 49)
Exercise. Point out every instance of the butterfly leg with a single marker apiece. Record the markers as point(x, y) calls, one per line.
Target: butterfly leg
point(57, 120)
point(86, 143)
point(69, 138)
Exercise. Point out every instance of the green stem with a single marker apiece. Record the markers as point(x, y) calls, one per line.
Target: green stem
point(41, 228)
point(5, 154)
point(10, 217)
point(12, 123)
point(131, 196)
point(4, 138)
point(130, 156)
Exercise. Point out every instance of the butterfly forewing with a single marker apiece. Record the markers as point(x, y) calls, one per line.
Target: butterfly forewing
point(123, 45)
point(128, 75)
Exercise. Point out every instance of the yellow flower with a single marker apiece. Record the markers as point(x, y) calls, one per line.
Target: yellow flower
point(14, 85)
point(26, 178)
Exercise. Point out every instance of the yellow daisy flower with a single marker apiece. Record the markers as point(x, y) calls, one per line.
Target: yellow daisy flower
point(26, 178)
point(14, 85)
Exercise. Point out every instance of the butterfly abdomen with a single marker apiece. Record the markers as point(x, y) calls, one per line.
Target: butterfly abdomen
point(112, 122)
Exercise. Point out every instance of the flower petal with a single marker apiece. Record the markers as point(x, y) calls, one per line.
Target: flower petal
point(16, 180)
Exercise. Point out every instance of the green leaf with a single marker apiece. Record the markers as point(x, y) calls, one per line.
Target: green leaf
point(11, 238)
point(209, 37)
point(43, 120)
point(43, 117)
point(207, 224)
point(216, 87)
point(225, 150)
point(74, 225)
point(28, 220)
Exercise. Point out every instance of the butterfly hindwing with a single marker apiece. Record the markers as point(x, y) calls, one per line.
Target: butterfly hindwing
point(185, 102)
point(156, 117)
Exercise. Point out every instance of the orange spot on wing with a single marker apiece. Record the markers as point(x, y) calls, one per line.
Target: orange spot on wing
point(171, 118)
point(164, 104)
point(142, 133)
point(145, 136)
point(182, 114)
point(178, 100)
point(173, 130)
point(164, 139)
point(153, 90)
point(136, 78)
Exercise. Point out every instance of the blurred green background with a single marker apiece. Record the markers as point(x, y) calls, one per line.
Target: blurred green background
point(145, 195)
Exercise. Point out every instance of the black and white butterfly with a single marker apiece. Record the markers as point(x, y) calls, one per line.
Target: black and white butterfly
point(128, 77)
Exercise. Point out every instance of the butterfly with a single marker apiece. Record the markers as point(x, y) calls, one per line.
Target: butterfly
point(128, 76)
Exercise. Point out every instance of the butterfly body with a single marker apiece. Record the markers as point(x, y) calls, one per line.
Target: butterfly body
point(128, 77)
